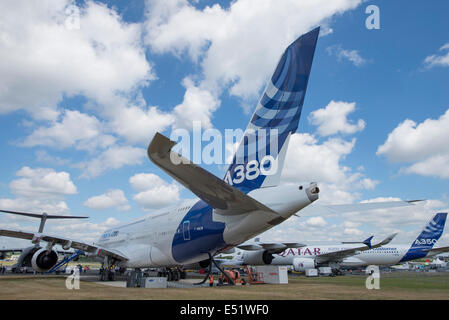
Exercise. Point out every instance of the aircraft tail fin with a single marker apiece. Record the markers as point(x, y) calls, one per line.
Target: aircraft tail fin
point(432, 232)
point(260, 156)
point(427, 238)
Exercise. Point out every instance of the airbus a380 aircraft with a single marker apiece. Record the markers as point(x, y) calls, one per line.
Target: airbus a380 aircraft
point(247, 202)
point(348, 255)
point(229, 211)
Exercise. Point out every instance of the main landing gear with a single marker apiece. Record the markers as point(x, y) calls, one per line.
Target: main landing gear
point(106, 274)
point(172, 274)
point(107, 271)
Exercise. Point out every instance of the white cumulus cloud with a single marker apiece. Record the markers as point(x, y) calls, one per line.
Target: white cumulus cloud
point(137, 124)
point(42, 182)
point(350, 55)
point(352, 232)
point(112, 198)
point(198, 105)
point(333, 119)
point(438, 60)
point(153, 192)
point(424, 145)
point(316, 222)
point(309, 160)
point(226, 42)
point(41, 59)
point(114, 157)
point(38, 190)
point(74, 128)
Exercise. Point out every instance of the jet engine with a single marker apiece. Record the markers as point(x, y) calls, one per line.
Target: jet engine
point(259, 257)
point(204, 263)
point(301, 264)
point(43, 260)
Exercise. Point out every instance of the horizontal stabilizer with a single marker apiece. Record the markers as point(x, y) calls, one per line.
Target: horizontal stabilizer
point(226, 199)
point(40, 215)
point(273, 247)
point(353, 207)
point(11, 250)
point(435, 251)
point(43, 216)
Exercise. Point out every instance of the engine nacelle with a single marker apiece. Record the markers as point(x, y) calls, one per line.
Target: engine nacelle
point(257, 258)
point(44, 260)
point(301, 264)
point(204, 264)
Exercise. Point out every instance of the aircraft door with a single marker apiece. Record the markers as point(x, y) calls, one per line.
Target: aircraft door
point(186, 230)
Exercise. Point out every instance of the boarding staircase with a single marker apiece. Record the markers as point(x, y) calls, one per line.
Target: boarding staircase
point(66, 260)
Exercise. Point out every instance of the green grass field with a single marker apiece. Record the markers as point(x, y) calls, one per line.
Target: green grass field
point(71, 263)
point(421, 286)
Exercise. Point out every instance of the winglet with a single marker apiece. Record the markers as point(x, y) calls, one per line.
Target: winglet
point(387, 239)
point(160, 145)
point(414, 201)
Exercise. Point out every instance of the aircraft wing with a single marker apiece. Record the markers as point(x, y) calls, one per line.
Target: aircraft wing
point(91, 249)
point(221, 196)
point(341, 254)
point(4, 251)
point(272, 247)
point(228, 263)
point(366, 206)
point(435, 251)
point(7, 250)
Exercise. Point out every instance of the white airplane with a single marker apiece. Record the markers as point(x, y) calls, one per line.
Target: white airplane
point(348, 254)
point(24, 259)
point(247, 202)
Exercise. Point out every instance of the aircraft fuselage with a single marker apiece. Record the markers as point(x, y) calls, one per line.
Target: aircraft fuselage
point(186, 233)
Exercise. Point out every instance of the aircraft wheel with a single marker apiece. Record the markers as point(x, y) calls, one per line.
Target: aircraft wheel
point(111, 276)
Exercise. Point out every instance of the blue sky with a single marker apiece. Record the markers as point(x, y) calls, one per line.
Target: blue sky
point(80, 103)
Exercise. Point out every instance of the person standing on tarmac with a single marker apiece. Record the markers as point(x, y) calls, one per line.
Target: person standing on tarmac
point(211, 280)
